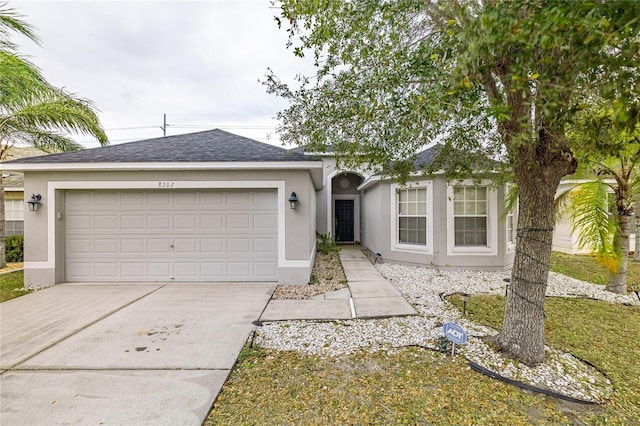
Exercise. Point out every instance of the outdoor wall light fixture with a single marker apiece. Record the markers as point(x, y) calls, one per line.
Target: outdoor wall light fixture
point(293, 201)
point(34, 202)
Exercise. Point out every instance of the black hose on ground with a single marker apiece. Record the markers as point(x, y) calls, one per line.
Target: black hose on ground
point(483, 370)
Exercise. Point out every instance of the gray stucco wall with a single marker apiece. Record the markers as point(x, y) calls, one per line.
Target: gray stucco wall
point(299, 223)
point(378, 236)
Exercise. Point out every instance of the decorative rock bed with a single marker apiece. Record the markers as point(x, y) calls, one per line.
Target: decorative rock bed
point(423, 288)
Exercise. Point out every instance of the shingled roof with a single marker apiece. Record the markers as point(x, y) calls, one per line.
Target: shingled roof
point(208, 146)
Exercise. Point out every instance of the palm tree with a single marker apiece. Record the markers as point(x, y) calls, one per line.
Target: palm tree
point(601, 211)
point(32, 111)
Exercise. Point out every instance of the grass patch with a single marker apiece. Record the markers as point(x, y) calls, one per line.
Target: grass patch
point(12, 286)
point(410, 386)
point(416, 386)
point(587, 268)
point(602, 333)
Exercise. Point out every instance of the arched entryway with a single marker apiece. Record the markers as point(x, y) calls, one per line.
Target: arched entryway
point(344, 205)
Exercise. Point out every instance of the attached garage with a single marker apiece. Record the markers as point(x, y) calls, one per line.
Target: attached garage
point(201, 207)
point(167, 235)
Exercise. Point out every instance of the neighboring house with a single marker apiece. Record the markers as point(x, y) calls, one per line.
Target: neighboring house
point(565, 240)
point(213, 206)
point(14, 202)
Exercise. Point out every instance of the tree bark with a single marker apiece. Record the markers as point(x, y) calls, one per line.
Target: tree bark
point(522, 334)
point(3, 226)
point(636, 254)
point(618, 280)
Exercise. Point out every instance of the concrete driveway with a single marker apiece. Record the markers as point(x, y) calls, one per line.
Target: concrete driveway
point(122, 353)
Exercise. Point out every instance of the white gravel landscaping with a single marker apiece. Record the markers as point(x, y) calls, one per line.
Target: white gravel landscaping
point(422, 287)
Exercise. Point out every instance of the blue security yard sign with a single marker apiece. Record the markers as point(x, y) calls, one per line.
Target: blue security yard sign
point(454, 333)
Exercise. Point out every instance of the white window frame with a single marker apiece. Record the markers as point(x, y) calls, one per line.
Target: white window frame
point(491, 249)
point(511, 244)
point(411, 248)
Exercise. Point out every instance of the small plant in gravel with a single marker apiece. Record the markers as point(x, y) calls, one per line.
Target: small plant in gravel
point(327, 245)
point(327, 275)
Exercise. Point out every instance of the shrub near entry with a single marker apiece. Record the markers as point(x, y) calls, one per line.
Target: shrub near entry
point(14, 246)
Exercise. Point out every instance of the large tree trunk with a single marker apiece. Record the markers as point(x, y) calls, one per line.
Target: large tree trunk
point(618, 280)
point(522, 334)
point(636, 254)
point(3, 226)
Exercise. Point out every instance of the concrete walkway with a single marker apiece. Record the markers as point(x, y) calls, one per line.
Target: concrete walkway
point(369, 296)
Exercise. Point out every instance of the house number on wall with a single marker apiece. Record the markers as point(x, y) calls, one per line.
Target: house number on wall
point(164, 184)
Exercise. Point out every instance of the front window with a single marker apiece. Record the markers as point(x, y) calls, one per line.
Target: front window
point(470, 215)
point(412, 216)
point(14, 209)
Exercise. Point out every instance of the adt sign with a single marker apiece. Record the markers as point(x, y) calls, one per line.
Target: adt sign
point(455, 333)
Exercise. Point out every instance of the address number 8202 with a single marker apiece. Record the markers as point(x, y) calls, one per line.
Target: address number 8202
point(166, 184)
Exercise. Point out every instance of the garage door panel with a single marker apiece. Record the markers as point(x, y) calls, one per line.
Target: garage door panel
point(238, 269)
point(186, 270)
point(238, 245)
point(161, 222)
point(265, 199)
point(187, 222)
point(107, 222)
point(265, 245)
point(132, 246)
point(132, 199)
point(265, 221)
point(105, 199)
point(78, 222)
point(239, 199)
point(186, 245)
point(211, 222)
point(212, 199)
point(159, 245)
point(264, 269)
point(159, 270)
point(185, 200)
point(79, 245)
point(106, 270)
point(160, 199)
point(134, 271)
point(208, 235)
point(80, 271)
point(105, 245)
point(133, 222)
point(239, 221)
point(213, 271)
point(79, 200)
point(212, 245)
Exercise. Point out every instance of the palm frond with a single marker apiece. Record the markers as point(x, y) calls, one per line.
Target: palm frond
point(11, 22)
point(20, 79)
point(51, 112)
point(562, 205)
point(510, 200)
point(593, 218)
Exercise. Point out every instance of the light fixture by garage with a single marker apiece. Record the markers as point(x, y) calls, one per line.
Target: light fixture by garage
point(34, 202)
point(293, 201)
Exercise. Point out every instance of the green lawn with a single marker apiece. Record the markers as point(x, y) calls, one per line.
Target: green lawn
point(587, 268)
point(602, 333)
point(416, 386)
point(12, 285)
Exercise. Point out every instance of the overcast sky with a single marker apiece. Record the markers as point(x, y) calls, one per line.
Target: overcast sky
point(197, 62)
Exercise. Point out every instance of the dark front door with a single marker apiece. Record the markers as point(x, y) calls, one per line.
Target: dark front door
point(344, 220)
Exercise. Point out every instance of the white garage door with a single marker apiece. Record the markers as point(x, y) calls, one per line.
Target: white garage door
point(217, 235)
